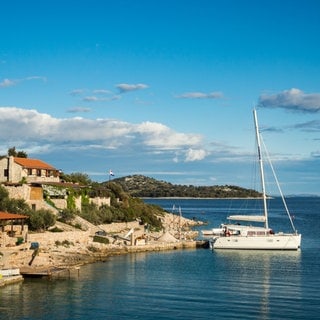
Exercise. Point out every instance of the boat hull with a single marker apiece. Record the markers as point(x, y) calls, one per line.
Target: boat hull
point(212, 232)
point(270, 242)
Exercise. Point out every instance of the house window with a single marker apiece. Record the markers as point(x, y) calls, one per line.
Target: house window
point(33, 206)
point(6, 172)
point(29, 172)
point(38, 172)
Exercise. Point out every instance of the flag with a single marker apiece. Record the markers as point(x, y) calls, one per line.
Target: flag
point(111, 173)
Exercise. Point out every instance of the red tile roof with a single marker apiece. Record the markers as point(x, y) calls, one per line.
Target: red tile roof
point(33, 163)
point(11, 216)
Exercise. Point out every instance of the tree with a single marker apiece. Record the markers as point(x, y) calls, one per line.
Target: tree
point(41, 220)
point(67, 215)
point(3, 194)
point(76, 177)
point(12, 152)
point(20, 154)
point(12, 205)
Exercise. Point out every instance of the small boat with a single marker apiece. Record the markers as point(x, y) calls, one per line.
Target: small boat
point(252, 232)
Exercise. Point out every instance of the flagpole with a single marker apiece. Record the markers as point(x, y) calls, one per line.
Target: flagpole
point(110, 174)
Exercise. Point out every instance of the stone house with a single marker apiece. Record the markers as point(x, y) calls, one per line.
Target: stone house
point(32, 179)
point(15, 170)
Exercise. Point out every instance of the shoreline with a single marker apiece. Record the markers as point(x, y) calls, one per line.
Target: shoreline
point(77, 260)
point(200, 198)
point(71, 249)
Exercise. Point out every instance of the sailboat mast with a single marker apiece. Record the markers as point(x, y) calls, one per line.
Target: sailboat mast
point(261, 168)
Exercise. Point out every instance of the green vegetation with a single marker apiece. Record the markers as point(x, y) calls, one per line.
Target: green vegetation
point(125, 202)
point(141, 186)
point(14, 153)
point(39, 220)
point(123, 208)
point(20, 154)
point(56, 229)
point(76, 177)
point(64, 243)
point(101, 239)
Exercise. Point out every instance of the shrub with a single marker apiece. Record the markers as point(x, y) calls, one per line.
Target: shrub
point(101, 239)
point(65, 243)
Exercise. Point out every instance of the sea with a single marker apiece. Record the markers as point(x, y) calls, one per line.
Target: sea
point(189, 283)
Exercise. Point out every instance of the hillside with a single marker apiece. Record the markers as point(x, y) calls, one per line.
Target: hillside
point(142, 186)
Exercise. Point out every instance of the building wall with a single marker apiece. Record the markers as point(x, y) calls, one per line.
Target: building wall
point(43, 178)
point(19, 192)
point(41, 204)
point(3, 167)
point(101, 201)
point(15, 173)
point(60, 203)
point(32, 195)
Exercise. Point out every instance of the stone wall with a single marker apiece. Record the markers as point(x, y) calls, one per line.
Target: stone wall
point(49, 239)
point(101, 201)
point(19, 192)
point(60, 203)
point(41, 204)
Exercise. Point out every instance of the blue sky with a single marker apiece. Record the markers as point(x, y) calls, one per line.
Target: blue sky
point(163, 88)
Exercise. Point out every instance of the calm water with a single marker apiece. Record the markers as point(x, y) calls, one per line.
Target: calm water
point(187, 284)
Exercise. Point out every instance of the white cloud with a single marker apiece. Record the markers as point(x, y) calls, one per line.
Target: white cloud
point(310, 126)
point(102, 94)
point(101, 91)
point(44, 79)
point(78, 109)
point(77, 92)
point(293, 99)
point(90, 98)
point(316, 154)
point(200, 95)
point(195, 154)
point(13, 82)
point(36, 129)
point(160, 136)
point(7, 83)
point(125, 87)
point(95, 98)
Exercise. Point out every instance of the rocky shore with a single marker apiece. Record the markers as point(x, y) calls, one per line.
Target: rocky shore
point(49, 252)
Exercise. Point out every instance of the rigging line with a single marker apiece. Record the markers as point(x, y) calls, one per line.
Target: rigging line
point(278, 185)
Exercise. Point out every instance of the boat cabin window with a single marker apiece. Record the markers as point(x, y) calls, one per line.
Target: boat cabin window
point(256, 233)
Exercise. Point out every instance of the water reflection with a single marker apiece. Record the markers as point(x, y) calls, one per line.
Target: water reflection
point(263, 278)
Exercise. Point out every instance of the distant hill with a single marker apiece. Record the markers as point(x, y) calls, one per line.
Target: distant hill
point(142, 186)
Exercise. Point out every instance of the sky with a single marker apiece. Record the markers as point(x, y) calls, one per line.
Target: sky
point(164, 88)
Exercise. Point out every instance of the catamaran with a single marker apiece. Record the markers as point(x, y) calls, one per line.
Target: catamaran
point(241, 234)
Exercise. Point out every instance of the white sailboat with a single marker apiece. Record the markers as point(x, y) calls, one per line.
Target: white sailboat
point(240, 234)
